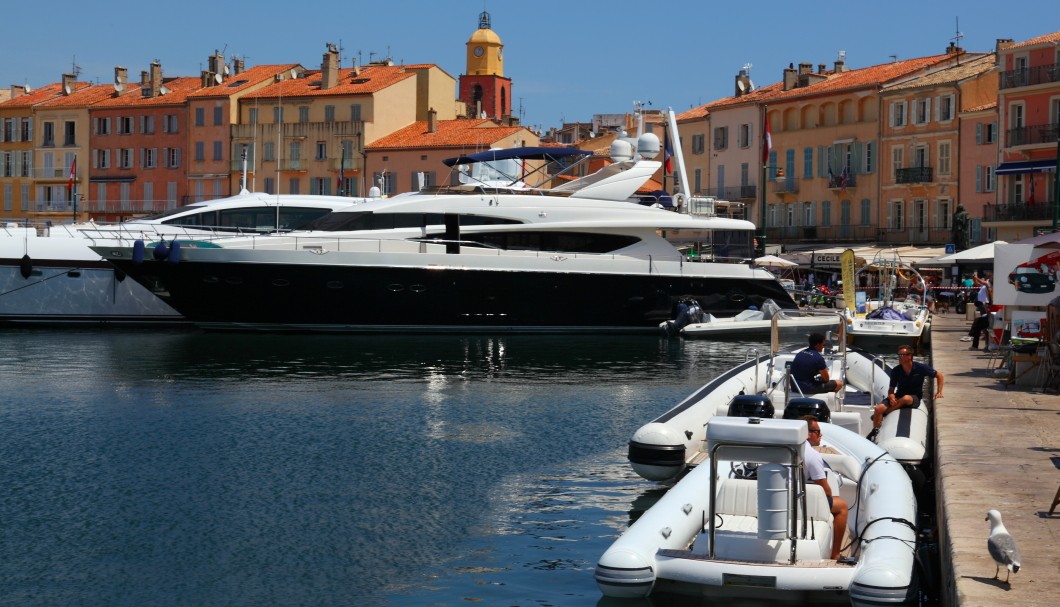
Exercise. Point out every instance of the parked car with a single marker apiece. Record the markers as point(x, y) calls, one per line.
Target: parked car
point(1028, 279)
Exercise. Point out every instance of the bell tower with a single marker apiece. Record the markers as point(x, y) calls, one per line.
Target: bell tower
point(483, 86)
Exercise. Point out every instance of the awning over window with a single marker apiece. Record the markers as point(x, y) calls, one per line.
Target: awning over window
point(1026, 166)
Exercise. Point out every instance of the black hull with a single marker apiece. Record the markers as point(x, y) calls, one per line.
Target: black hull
point(366, 299)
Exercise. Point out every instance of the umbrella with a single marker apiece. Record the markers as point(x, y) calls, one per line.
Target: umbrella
point(980, 254)
point(1050, 240)
point(774, 261)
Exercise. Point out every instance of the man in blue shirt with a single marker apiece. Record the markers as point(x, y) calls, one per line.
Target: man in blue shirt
point(907, 387)
point(810, 371)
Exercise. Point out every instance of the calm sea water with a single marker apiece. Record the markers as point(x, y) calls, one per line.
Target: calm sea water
point(185, 468)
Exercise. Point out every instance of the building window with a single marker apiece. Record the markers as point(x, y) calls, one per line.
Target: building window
point(320, 186)
point(943, 214)
point(990, 179)
point(252, 115)
point(897, 118)
point(866, 212)
point(102, 160)
point(808, 218)
point(218, 116)
point(355, 112)
point(171, 157)
point(102, 126)
point(200, 151)
point(826, 213)
point(698, 144)
point(721, 138)
point(277, 114)
point(125, 158)
point(147, 125)
point(218, 150)
point(329, 113)
point(270, 151)
point(944, 158)
point(991, 133)
point(294, 186)
point(385, 181)
point(921, 111)
point(322, 150)
point(894, 214)
point(945, 108)
point(270, 185)
point(149, 157)
point(125, 125)
point(200, 116)
point(49, 134)
point(69, 133)
point(697, 181)
point(303, 113)
point(807, 163)
point(745, 135)
point(897, 160)
point(169, 123)
point(870, 157)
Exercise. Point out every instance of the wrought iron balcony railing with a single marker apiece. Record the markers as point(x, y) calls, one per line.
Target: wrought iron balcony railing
point(1034, 134)
point(1029, 76)
point(914, 175)
point(737, 192)
point(1017, 212)
point(841, 182)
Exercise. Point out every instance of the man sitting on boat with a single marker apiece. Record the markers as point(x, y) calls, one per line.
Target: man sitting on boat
point(810, 371)
point(813, 469)
point(906, 389)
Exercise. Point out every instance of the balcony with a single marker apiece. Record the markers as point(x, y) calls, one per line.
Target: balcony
point(1031, 76)
point(1032, 135)
point(842, 182)
point(915, 235)
point(786, 185)
point(739, 192)
point(914, 175)
point(298, 130)
point(841, 233)
point(1018, 212)
point(292, 164)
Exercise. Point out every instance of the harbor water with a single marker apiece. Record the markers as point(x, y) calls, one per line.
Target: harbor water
point(187, 468)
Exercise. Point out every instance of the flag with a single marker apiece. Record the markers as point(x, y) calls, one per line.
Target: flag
point(73, 173)
point(342, 172)
point(668, 152)
point(767, 143)
point(831, 178)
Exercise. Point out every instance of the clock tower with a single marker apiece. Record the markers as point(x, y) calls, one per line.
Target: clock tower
point(483, 86)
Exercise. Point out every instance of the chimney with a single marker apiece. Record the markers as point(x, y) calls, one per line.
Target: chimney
point(432, 121)
point(1002, 44)
point(121, 78)
point(237, 66)
point(17, 90)
point(156, 78)
point(743, 83)
point(840, 66)
point(805, 68)
point(145, 80)
point(329, 69)
point(206, 78)
point(216, 63)
point(69, 80)
point(820, 68)
point(790, 77)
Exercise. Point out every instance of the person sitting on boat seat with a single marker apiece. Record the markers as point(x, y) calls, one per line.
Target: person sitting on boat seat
point(813, 467)
point(906, 389)
point(810, 371)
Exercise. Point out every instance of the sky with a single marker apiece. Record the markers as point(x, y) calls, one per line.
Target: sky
point(566, 61)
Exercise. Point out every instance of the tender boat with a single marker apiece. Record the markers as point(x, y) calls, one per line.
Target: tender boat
point(898, 314)
point(51, 275)
point(582, 256)
point(750, 323)
point(669, 445)
point(744, 524)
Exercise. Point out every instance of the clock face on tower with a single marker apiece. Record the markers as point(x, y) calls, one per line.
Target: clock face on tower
point(478, 51)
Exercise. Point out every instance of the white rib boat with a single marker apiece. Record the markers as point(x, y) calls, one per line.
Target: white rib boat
point(719, 533)
point(756, 322)
point(891, 318)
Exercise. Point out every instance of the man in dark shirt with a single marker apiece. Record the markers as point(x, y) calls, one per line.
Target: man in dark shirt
point(907, 387)
point(809, 365)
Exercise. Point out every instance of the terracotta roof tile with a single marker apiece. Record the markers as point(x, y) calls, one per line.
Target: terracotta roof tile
point(179, 88)
point(1043, 39)
point(83, 97)
point(693, 114)
point(955, 73)
point(980, 108)
point(371, 79)
point(245, 79)
point(448, 134)
point(39, 95)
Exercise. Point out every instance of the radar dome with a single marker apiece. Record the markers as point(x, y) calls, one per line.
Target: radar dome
point(648, 146)
point(621, 150)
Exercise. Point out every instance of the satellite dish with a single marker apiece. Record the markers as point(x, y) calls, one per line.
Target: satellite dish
point(218, 78)
point(66, 89)
point(740, 85)
point(294, 73)
point(750, 85)
point(27, 88)
point(118, 87)
point(226, 70)
point(162, 90)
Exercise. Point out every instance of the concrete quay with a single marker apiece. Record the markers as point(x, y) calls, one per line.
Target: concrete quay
point(996, 447)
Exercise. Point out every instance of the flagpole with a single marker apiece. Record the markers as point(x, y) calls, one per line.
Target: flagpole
point(766, 144)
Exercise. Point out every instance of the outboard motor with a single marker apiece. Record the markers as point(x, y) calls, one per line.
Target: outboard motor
point(802, 405)
point(751, 405)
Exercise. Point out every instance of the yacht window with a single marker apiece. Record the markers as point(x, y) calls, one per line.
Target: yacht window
point(570, 242)
point(342, 222)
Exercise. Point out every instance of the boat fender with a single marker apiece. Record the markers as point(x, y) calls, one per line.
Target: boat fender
point(161, 251)
point(772, 502)
point(119, 275)
point(138, 252)
point(174, 252)
point(25, 266)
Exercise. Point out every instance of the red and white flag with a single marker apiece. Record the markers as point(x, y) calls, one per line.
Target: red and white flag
point(73, 173)
point(767, 143)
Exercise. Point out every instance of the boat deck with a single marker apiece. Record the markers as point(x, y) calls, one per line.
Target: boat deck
point(685, 554)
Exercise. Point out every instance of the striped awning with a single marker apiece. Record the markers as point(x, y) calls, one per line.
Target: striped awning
point(1026, 166)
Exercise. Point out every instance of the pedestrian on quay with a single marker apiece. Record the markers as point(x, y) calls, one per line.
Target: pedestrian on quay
point(906, 388)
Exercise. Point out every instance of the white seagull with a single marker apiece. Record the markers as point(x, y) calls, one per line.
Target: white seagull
point(1002, 546)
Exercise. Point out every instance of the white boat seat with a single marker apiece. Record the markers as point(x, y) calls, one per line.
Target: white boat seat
point(738, 496)
point(851, 420)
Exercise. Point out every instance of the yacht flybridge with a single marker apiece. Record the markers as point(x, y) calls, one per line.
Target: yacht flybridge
point(491, 253)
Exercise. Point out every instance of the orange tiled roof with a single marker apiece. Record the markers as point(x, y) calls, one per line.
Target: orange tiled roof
point(693, 114)
point(247, 78)
point(179, 89)
point(40, 95)
point(954, 73)
point(1043, 39)
point(980, 108)
point(370, 79)
point(448, 134)
point(84, 97)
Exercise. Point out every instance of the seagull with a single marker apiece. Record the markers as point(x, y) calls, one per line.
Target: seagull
point(1002, 546)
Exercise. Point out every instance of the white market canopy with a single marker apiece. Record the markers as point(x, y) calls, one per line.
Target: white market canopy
point(773, 261)
point(981, 254)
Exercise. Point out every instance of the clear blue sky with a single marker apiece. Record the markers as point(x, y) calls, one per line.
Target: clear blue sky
point(567, 61)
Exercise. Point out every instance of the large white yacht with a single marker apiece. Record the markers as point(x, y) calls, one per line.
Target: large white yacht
point(483, 255)
point(50, 276)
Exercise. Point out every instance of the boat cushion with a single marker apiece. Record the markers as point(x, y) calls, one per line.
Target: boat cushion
point(738, 496)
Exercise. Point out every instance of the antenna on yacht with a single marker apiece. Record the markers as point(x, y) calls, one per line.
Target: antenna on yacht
point(243, 187)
